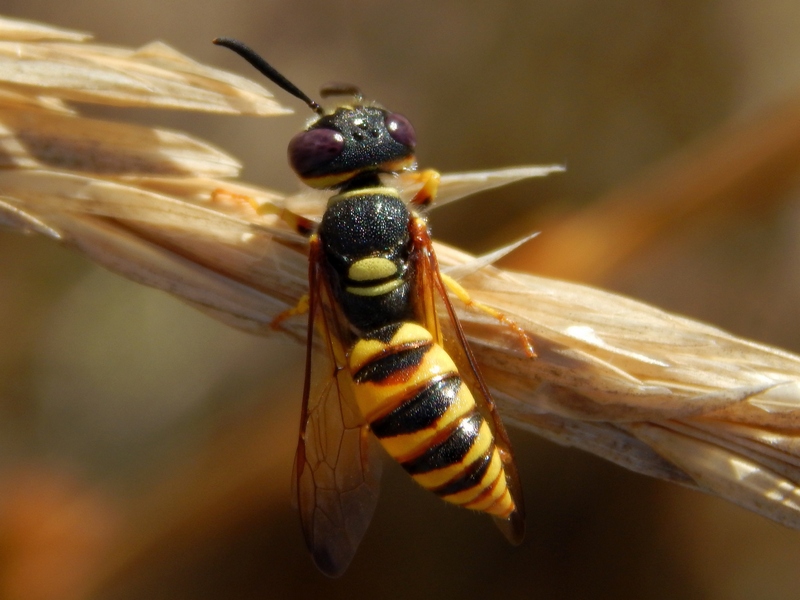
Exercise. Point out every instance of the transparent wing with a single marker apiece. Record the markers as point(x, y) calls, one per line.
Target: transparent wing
point(432, 291)
point(336, 472)
point(458, 185)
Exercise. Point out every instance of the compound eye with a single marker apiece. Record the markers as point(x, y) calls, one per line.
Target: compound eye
point(401, 130)
point(312, 150)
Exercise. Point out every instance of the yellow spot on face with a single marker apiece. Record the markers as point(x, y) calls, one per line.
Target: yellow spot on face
point(372, 268)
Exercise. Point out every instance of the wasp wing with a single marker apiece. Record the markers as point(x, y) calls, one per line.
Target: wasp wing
point(432, 291)
point(336, 472)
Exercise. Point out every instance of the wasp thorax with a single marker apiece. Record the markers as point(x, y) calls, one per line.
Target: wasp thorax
point(365, 225)
point(350, 141)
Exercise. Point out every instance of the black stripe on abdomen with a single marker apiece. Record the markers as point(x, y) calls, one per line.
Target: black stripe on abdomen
point(388, 366)
point(420, 412)
point(472, 476)
point(449, 452)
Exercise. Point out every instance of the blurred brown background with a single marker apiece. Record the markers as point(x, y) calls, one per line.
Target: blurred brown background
point(145, 450)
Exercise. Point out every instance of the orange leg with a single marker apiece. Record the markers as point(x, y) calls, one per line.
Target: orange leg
point(226, 198)
point(459, 292)
point(430, 186)
point(300, 308)
point(299, 223)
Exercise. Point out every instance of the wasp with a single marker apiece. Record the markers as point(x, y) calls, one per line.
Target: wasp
point(379, 364)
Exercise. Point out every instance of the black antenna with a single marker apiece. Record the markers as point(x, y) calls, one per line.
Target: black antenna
point(267, 70)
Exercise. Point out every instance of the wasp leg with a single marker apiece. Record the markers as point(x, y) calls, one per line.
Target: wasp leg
point(299, 223)
point(300, 308)
point(227, 199)
point(459, 292)
point(430, 186)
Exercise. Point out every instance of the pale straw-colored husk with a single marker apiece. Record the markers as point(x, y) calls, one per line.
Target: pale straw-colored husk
point(656, 393)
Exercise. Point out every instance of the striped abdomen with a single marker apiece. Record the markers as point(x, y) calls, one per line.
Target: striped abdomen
point(410, 392)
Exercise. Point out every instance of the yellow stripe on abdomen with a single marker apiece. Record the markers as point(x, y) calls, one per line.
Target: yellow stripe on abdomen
point(405, 372)
point(409, 391)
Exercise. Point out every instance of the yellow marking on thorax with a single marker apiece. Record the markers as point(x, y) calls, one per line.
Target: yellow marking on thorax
point(372, 268)
point(375, 290)
point(370, 191)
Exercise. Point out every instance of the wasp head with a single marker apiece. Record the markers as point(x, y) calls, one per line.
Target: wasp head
point(351, 141)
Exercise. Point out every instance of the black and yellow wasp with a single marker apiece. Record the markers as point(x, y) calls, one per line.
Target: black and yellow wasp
point(377, 360)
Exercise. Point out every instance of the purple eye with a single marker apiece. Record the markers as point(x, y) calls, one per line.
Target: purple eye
point(312, 150)
point(401, 130)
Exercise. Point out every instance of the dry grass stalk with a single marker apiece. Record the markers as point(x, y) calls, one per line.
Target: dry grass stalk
point(653, 392)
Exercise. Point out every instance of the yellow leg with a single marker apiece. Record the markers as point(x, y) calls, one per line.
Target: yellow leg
point(300, 224)
point(430, 186)
point(300, 308)
point(459, 292)
point(227, 198)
